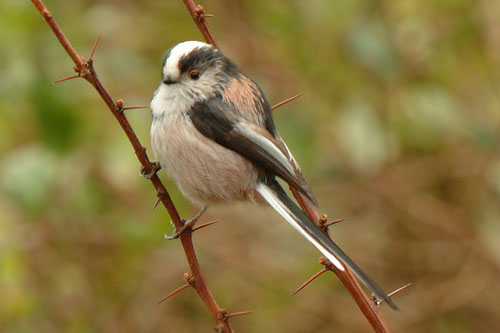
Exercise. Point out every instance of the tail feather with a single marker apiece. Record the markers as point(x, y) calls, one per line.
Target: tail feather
point(276, 197)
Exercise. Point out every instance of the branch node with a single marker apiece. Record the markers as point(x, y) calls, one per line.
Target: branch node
point(119, 106)
point(187, 225)
point(327, 263)
point(323, 223)
point(323, 219)
point(200, 14)
point(161, 195)
point(189, 278)
point(223, 315)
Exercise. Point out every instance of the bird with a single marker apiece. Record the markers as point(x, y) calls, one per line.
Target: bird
point(213, 133)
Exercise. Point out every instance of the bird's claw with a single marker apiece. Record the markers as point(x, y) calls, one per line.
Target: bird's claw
point(186, 225)
point(154, 169)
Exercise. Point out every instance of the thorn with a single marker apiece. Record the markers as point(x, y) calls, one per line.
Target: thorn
point(333, 222)
point(288, 100)
point(160, 196)
point(205, 225)
point(157, 202)
point(379, 301)
point(397, 291)
point(311, 279)
point(241, 313)
point(91, 58)
point(134, 107)
point(173, 293)
point(66, 79)
point(204, 16)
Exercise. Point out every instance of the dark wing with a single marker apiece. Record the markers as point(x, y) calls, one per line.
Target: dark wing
point(213, 119)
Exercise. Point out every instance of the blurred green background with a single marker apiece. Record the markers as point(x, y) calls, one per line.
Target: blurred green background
point(397, 131)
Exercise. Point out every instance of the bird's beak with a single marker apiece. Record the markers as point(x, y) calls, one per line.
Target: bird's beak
point(169, 80)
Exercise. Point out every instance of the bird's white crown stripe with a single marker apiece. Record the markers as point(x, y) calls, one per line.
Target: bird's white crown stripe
point(181, 49)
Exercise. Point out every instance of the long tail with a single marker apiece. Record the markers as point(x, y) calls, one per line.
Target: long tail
point(276, 197)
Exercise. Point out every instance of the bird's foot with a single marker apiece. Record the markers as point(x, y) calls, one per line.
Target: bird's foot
point(187, 224)
point(154, 169)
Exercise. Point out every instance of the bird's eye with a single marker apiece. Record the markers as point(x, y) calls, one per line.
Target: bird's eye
point(194, 74)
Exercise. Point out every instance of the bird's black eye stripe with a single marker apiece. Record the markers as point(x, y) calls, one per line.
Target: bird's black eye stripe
point(194, 74)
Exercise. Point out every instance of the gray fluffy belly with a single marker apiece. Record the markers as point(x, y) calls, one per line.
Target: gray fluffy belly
point(204, 171)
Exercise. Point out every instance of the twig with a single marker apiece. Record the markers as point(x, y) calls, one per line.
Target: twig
point(366, 306)
point(198, 15)
point(86, 70)
point(347, 278)
point(364, 302)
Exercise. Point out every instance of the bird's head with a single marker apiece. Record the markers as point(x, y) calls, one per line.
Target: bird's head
point(196, 70)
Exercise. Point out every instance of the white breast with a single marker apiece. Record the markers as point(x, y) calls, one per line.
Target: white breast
point(204, 171)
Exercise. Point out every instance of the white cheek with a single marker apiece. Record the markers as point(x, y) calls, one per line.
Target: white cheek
point(169, 101)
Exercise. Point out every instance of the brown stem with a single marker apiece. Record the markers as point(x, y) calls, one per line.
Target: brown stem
point(347, 278)
point(198, 15)
point(87, 71)
point(366, 306)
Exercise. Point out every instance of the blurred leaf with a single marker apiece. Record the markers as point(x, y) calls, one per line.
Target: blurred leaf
point(56, 117)
point(363, 136)
point(369, 45)
point(428, 115)
point(28, 176)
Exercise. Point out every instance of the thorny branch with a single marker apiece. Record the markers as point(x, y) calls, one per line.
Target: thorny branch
point(86, 70)
point(199, 16)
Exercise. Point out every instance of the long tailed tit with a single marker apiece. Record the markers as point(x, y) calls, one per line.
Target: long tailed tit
point(213, 132)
